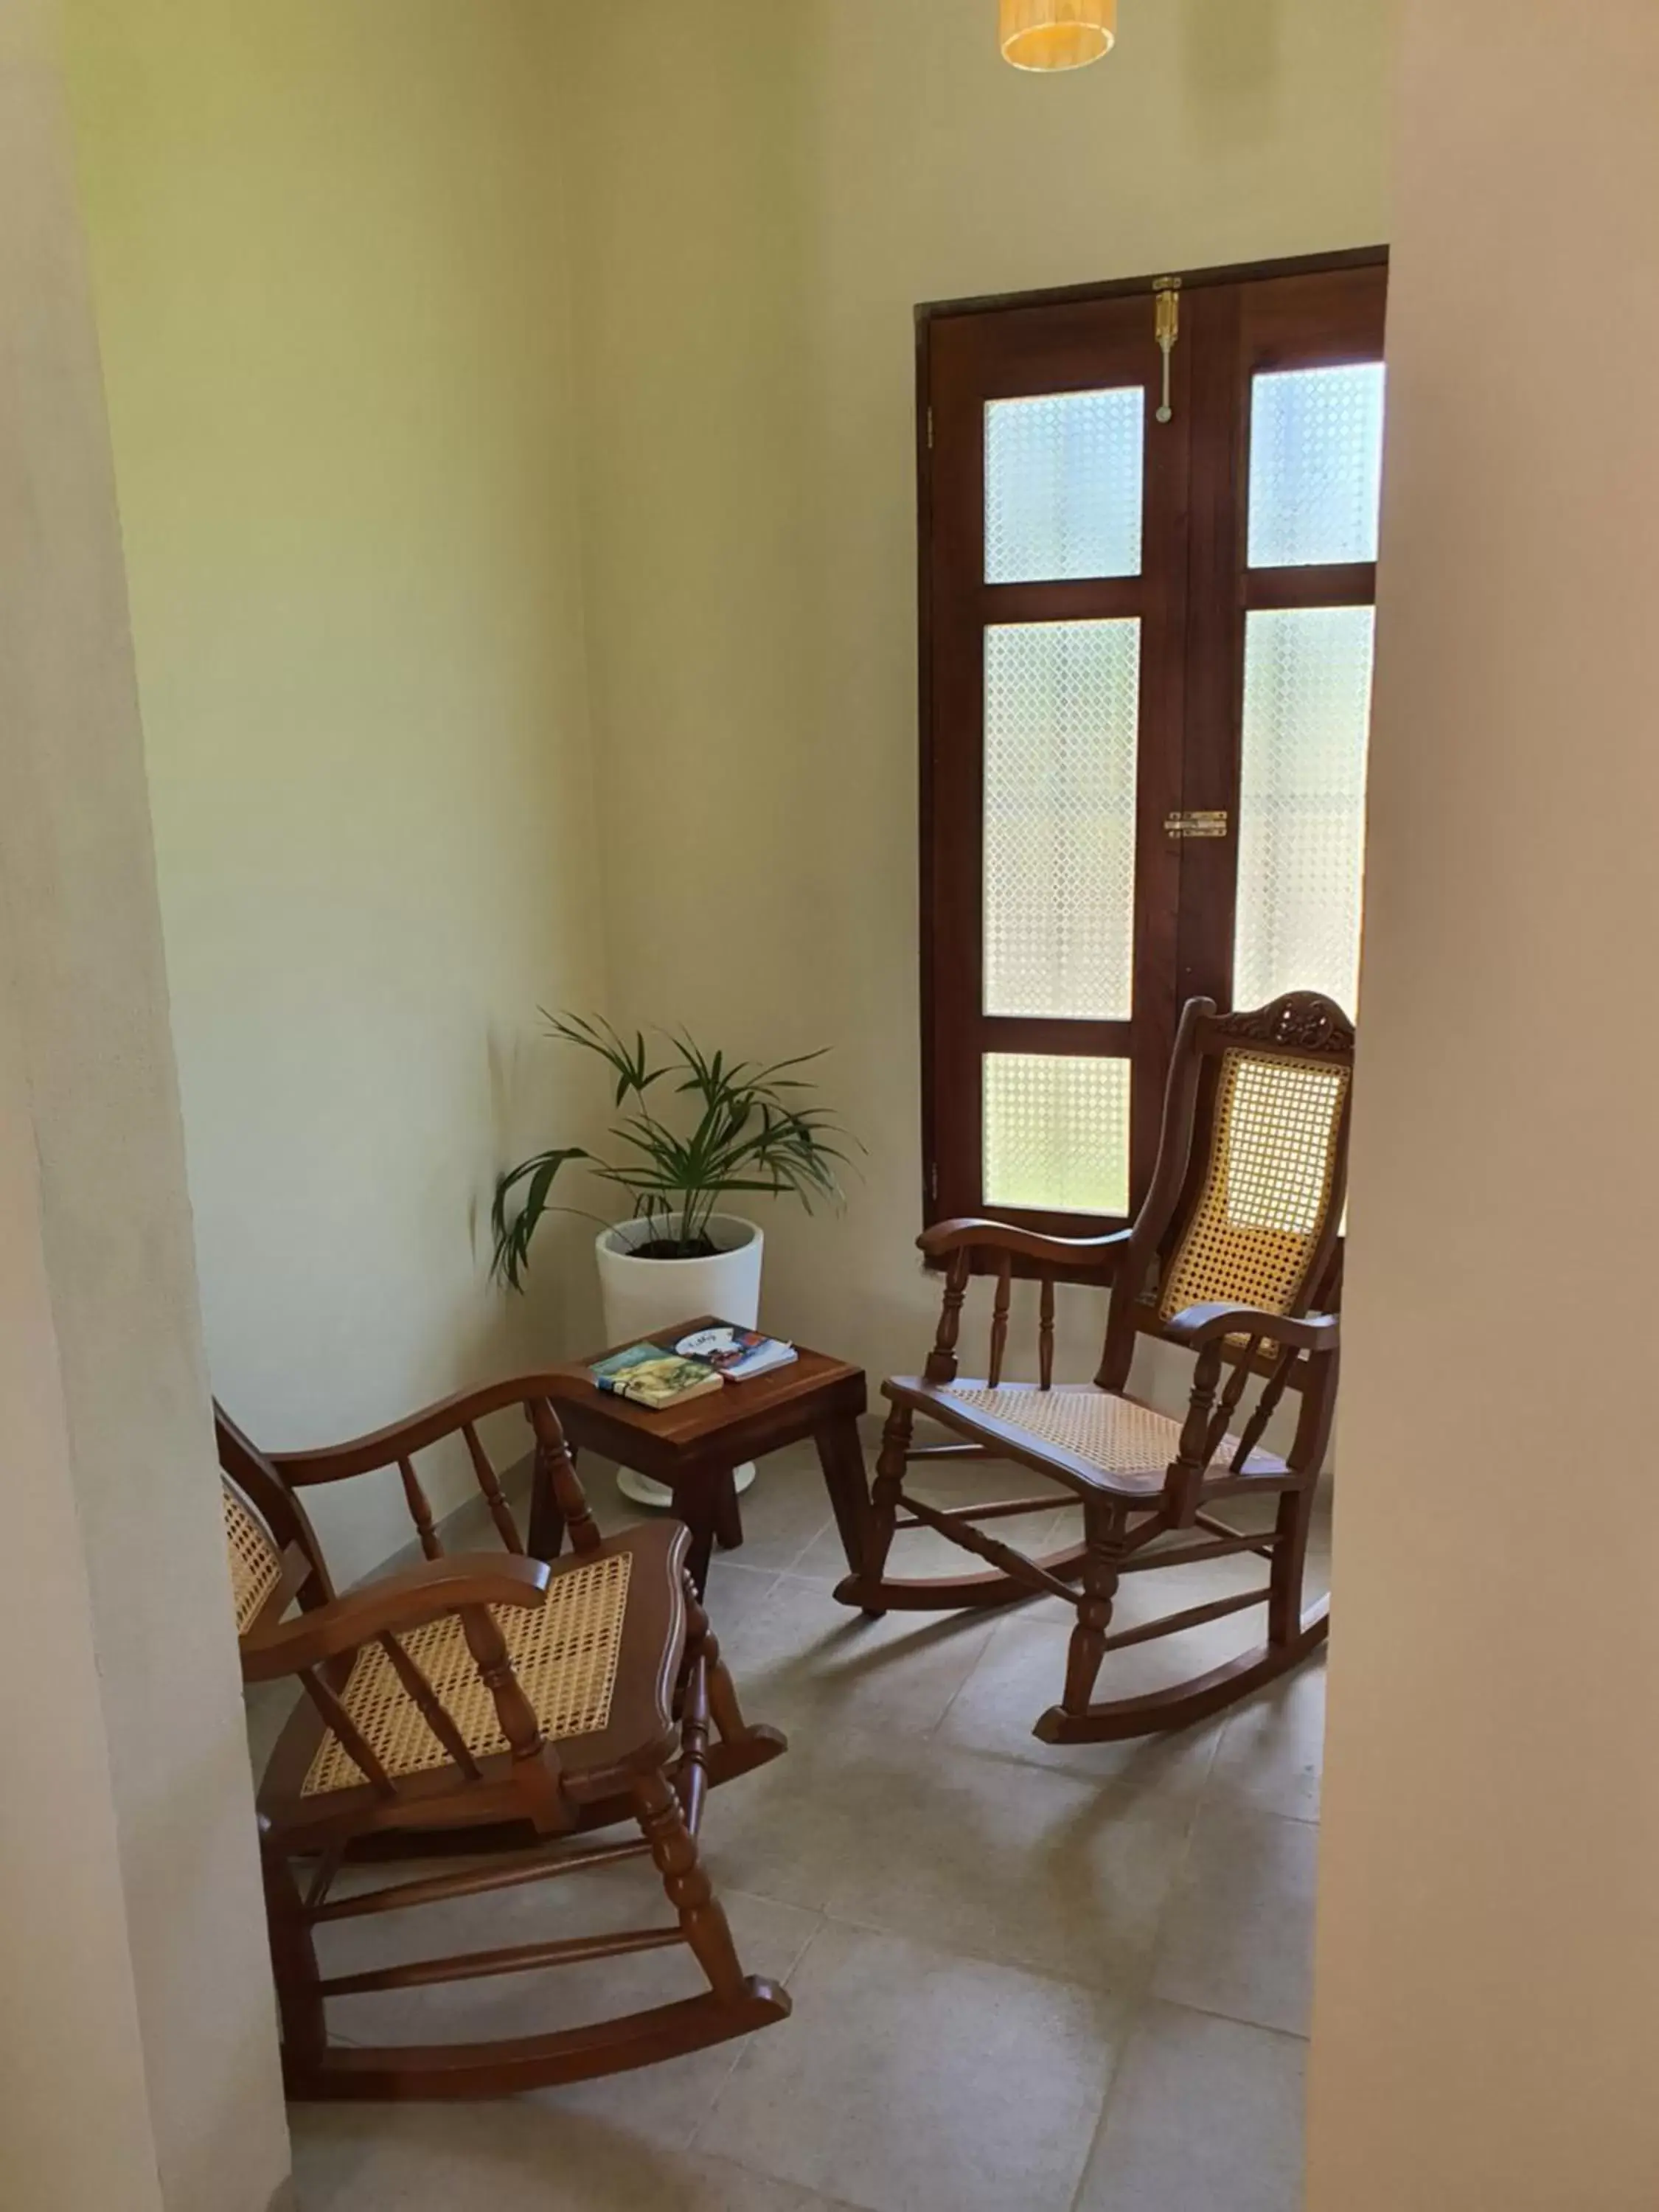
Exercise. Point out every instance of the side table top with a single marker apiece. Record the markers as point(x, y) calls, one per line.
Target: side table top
point(812, 1382)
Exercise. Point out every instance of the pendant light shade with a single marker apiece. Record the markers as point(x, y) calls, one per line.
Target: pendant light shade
point(1057, 34)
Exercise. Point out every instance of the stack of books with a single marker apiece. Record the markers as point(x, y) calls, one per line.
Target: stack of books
point(656, 1374)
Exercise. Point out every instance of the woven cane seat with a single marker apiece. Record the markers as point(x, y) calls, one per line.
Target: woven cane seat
point(1256, 1228)
point(564, 1652)
point(1117, 1435)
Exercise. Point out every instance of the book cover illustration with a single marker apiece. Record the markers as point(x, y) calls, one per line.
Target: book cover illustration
point(736, 1354)
point(647, 1375)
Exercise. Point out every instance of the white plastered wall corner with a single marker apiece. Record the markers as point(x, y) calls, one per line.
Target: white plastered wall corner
point(139, 2067)
point(1486, 2011)
point(328, 262)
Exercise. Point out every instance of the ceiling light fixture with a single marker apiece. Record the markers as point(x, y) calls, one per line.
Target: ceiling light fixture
point(1057, 34)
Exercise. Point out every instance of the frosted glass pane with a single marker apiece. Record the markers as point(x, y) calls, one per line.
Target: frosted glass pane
point(1061, 708)
point(1056, 1133)
point(1316, 465)
point(1062, 486)
point(1301, 803)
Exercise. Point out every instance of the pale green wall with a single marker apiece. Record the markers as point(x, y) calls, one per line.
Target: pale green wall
point(328, 249)
point(138, 2061)
point(763, 194)
point(374, 514)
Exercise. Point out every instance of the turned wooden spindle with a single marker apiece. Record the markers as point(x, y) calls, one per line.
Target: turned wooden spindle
point(352, 1741)
point(534, 1765)
point(500, 1511)
point(1104, 1530)
point(692, 1780)
point(1273, 1391)
point(886, 1490)
point(701, 1640)
point(433, 1711)
point(687, 1886)
point(554, 1469)
point(1046, 1335)
point(1000, 1319)
point(1193, 1453)
point(942, 1359)
point(1221, 1419)
point(420, 1510)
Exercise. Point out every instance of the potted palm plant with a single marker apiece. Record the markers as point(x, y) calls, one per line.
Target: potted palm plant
point(744, 1126)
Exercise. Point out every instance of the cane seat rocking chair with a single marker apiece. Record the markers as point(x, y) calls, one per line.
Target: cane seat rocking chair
point(493, 1704)
point(1235, 1245)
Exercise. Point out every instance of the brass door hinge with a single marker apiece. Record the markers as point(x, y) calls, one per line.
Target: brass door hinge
point(1166, 326)
point(1206, 822)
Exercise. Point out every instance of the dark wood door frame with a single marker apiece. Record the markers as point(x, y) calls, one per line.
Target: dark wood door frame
point(1235, 321)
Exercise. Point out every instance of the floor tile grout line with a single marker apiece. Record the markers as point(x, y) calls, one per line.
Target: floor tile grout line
point(744, 2052)
point(1231, 2019)
point(1135, 2004)
point(1114, 2074)
point(796, 1557)
point(1183, 1859)
point(1133, 1990)
point(1143, 2003)
point(734, 2056)
point(984, 1650)
point(741, 2051)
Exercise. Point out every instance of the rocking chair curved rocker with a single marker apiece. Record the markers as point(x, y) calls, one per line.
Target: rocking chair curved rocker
point(495, 1704)
point(1235, 1245)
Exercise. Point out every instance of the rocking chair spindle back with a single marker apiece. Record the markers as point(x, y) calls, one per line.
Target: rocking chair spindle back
point(495, 1704)
point(1233, 1256)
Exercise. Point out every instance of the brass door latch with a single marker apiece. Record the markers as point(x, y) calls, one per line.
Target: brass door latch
point(1206, 822)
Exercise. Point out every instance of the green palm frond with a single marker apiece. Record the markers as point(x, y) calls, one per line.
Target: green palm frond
point(749, 1133)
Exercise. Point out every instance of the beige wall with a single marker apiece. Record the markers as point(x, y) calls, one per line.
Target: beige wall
point(373, 451)
point(136, 2021)
point(761, 194)
point(1486, 2021)
point(329, 257)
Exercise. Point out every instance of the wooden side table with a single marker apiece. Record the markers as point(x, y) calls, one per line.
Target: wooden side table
point(691, 1448)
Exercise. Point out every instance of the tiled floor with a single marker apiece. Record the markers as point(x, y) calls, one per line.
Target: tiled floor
point(1025, 1980)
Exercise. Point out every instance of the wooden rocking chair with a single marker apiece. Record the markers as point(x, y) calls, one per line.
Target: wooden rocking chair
point(492, 1702)
point(1236, 1242)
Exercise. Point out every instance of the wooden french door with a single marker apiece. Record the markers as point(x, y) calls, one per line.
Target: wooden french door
point(1146, 664)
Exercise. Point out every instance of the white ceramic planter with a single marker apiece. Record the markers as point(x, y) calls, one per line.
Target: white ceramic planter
point(642, 1296)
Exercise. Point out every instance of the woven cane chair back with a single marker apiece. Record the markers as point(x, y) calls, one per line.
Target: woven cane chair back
point(1247, 1197)
point(256, 1562)
point(1254, 1233)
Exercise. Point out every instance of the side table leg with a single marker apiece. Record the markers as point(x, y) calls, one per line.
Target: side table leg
point(728, 1521)
point(697, 1503)
point(841, 1455)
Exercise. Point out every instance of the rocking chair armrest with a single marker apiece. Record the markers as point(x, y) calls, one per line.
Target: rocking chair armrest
point(408, 1600)
point(1027, 1243)
point(385, 1447)
point(1317, 1333)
